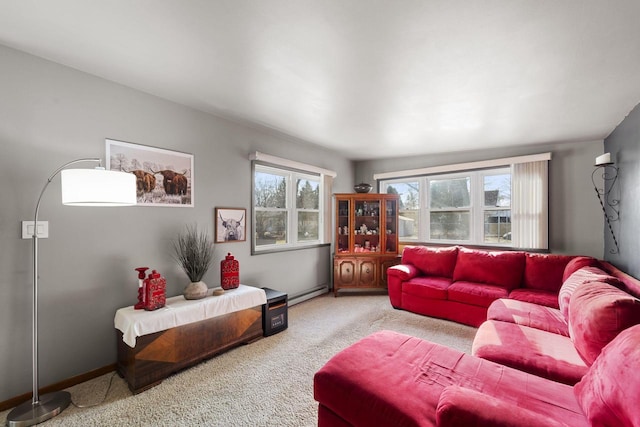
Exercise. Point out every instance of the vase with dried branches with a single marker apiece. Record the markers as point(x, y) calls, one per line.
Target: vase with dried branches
point(194, 253)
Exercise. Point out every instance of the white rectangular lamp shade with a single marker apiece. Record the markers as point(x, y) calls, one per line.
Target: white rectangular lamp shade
point(97, 187)
point(604, 159)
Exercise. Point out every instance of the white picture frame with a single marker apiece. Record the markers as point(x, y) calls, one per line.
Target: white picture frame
point(163, 177)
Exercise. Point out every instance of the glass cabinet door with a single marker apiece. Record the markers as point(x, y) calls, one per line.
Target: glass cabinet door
point(343, 230)
point(391, 224)
point(366, 226)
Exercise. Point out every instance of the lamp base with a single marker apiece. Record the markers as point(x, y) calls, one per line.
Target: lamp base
point(28, 413)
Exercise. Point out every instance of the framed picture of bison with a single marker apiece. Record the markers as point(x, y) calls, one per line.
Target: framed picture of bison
point(163, 177)
point(231, 225)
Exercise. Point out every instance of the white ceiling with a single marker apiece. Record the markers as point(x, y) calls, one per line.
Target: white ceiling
point(371, 79)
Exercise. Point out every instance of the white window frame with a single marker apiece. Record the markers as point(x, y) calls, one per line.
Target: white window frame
point(478, 170)
point(292, 171)
point(421, 197)
point(476, 207)
point(426, 182)
point(483, 209)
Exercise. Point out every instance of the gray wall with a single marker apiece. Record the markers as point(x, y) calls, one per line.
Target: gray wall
point(624, 145)
point(50, 114)
point(575, 222)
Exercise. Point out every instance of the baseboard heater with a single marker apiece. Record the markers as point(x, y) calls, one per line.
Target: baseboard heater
point(308, 294)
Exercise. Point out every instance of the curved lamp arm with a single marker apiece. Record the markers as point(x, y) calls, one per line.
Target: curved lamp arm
point(53, 175)
point(121, 192)
point(36, 397)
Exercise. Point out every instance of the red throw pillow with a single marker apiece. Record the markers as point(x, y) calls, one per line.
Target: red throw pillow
point(438, 262)
point(598, 312)
point(545, 271)
point(503, 269)
point(608, 393)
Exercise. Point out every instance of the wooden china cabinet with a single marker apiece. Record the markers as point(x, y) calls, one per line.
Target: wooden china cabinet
point(366, 240)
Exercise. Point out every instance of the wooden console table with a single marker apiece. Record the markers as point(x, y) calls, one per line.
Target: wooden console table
point(155, 344)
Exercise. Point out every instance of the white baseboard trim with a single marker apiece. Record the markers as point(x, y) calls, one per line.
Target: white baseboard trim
point(312, 293)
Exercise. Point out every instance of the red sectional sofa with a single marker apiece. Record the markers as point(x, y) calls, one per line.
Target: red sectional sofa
point(460, 284)
point(556, 345)
point(390, 379)
point(560, 344)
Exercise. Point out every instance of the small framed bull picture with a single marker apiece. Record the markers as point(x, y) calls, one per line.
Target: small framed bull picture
point(163, 177)
point(231, 225)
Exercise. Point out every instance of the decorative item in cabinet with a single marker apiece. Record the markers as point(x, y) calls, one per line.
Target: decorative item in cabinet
point(342, 221)
point(366, 239)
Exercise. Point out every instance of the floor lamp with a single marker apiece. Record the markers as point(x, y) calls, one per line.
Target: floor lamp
point(80, 187)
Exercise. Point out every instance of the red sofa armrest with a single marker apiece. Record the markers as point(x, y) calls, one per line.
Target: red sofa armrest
point(403, 272)
point(395, 276)
point(459, 406)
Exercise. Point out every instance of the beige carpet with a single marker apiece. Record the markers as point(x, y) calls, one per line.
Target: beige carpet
point(266, 383)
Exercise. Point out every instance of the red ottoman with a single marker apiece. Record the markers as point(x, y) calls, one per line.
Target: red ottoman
point(390, 379)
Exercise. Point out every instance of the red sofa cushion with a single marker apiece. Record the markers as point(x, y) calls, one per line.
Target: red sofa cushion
point(461, 406)
point(528, 314)
point(475, 293)
point(438, 262)
point(544, 271)
point(537, 352)
point(392, 379)
point(609, 392)
point(503, 269)
point(578, 278)
point(427, 287)
point(577, 263)
point(598, 312)
point(535, 296)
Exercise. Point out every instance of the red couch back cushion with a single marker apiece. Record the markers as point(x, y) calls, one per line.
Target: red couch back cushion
point(579, 277)
point(503, 269)
point(577, 263)
point(598, 312)
point(630, 283)
point(438, 262)
point(608, 393)
point(544, 271)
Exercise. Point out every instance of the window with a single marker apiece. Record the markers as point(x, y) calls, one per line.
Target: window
point(496, 208)
point(450, 208)
point(476, 206)
point(472, 207)
point(270, 206)
point(308, 209)
point(289, 206)
point(409, 207)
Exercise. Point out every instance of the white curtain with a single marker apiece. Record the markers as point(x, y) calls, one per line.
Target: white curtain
point(530, 205)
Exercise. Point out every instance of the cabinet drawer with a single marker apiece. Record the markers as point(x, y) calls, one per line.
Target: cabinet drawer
point(367, 272)
point(345, 272)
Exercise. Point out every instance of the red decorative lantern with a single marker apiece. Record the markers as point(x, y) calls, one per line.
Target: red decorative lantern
point(141, 288)
point(155, 290)
point(229, 272)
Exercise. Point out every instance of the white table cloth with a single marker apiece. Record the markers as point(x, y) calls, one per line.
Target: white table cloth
point(179, 311)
